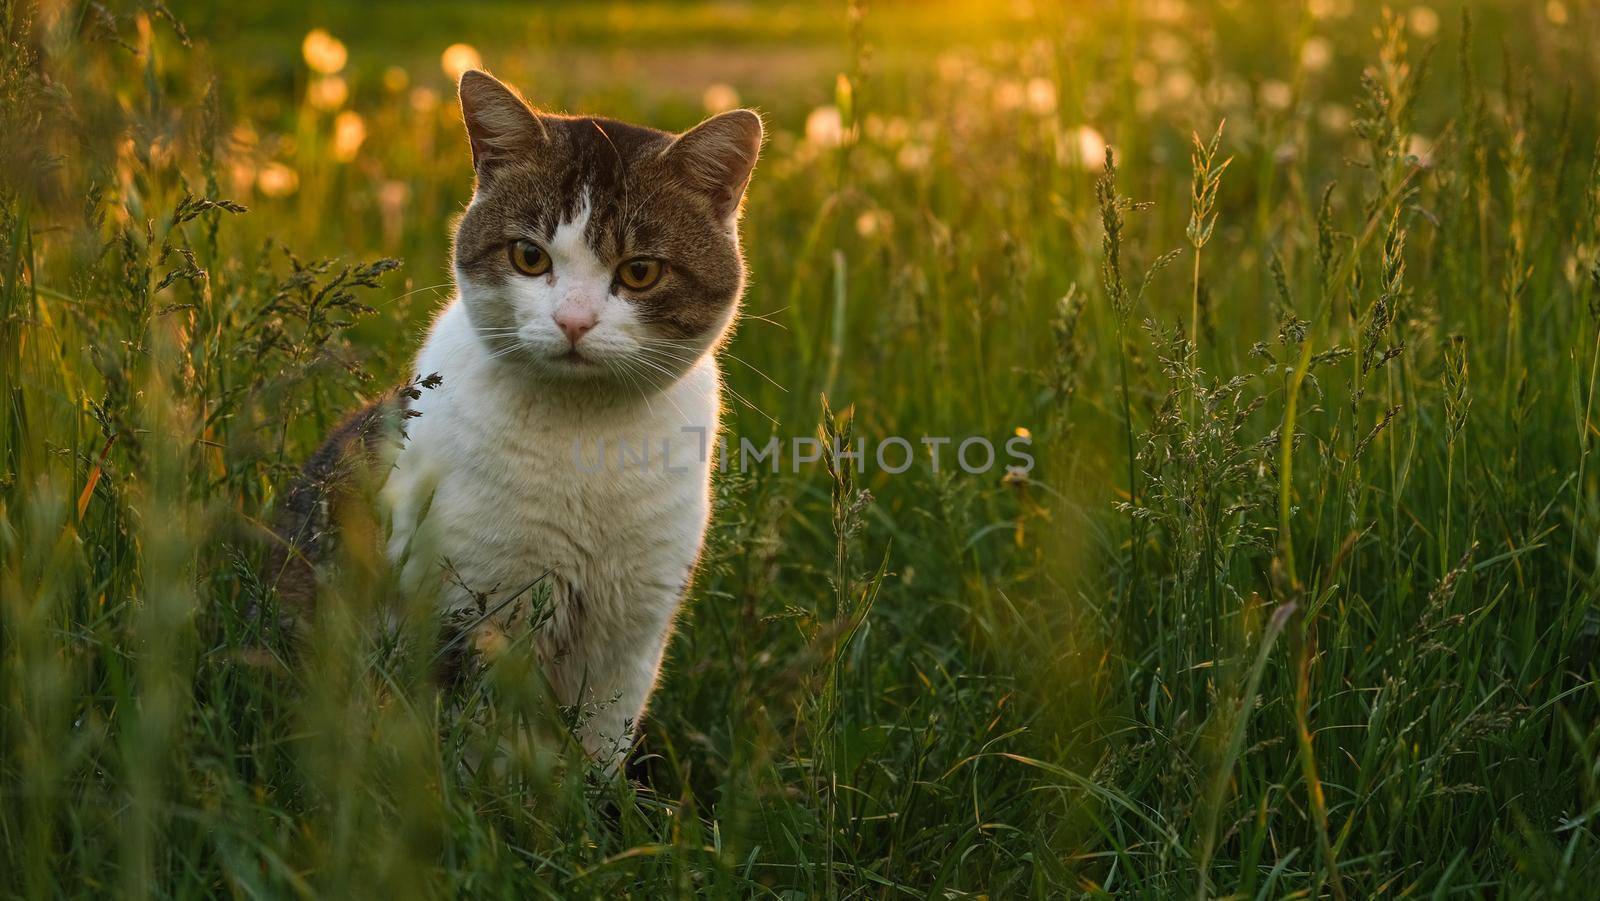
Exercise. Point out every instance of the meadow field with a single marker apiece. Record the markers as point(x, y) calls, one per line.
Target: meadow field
point(1298, 304)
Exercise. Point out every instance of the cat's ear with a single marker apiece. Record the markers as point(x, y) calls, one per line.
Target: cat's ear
point(718, 156)
point(500, 125)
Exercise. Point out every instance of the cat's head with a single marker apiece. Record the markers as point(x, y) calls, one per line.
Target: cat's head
point(598, 251)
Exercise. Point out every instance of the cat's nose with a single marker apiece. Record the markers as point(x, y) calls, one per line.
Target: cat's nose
point(575, 323)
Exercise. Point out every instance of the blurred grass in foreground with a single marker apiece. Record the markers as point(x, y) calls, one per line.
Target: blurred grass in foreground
point(1300, 599)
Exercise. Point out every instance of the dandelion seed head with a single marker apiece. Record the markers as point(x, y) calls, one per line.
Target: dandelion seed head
point(950, 66)
point(897, 130)
point(1334, 117)
point(1041, 96)
point(914, 157)
point(874, 222)
point(1177, 87)
point(392, 198)
point(457, 59)
point(1168, 48)
point(396, 79)
point(1423, 21)
point(328, 92)
point(1276, 94)
point(349, 133)
point(1316, 54)
point(1331, 9)
point(824, 127)
point(1231, 93)
point(1084, 147)
point(277, 180)
point(241, 174)
point(424, 100)
point(323, 52)
point(719, 98)
point(1009, 95)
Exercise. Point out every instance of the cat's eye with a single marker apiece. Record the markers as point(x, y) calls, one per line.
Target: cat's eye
point(529, 258)
point(639, 274)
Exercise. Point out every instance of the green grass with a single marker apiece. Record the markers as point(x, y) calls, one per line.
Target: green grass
point(1299, 601)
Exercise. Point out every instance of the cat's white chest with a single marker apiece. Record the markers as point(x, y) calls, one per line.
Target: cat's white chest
point(610, 500)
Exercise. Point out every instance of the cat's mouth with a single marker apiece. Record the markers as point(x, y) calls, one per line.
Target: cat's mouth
point(573, 358)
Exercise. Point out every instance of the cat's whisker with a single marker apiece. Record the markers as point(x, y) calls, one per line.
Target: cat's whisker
point(505, 351)
point(649, 346)
point(754, 369)
point(669, 377)
point(750, 404)
point(666, 354)
point(762, 317)
point(656, 343)
point(399, 297)
point(635, 379)
point(645, 350)
point(626, 376)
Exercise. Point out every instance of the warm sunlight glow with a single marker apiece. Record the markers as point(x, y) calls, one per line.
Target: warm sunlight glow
point(1085, 148)
point(277, 180)
point(349, 132)
point(825, 127)
point(1316, 53)
point(323, 52)
point(328, 93)
point(1041, 96)
point(719, 98)
point(1424, 21)
point(1006, 447)
point(396, 79)
point(458, 58)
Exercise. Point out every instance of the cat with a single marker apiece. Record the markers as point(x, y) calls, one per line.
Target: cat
point(598, 269)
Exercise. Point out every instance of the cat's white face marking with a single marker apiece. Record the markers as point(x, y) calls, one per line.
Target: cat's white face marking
point(570, 322)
